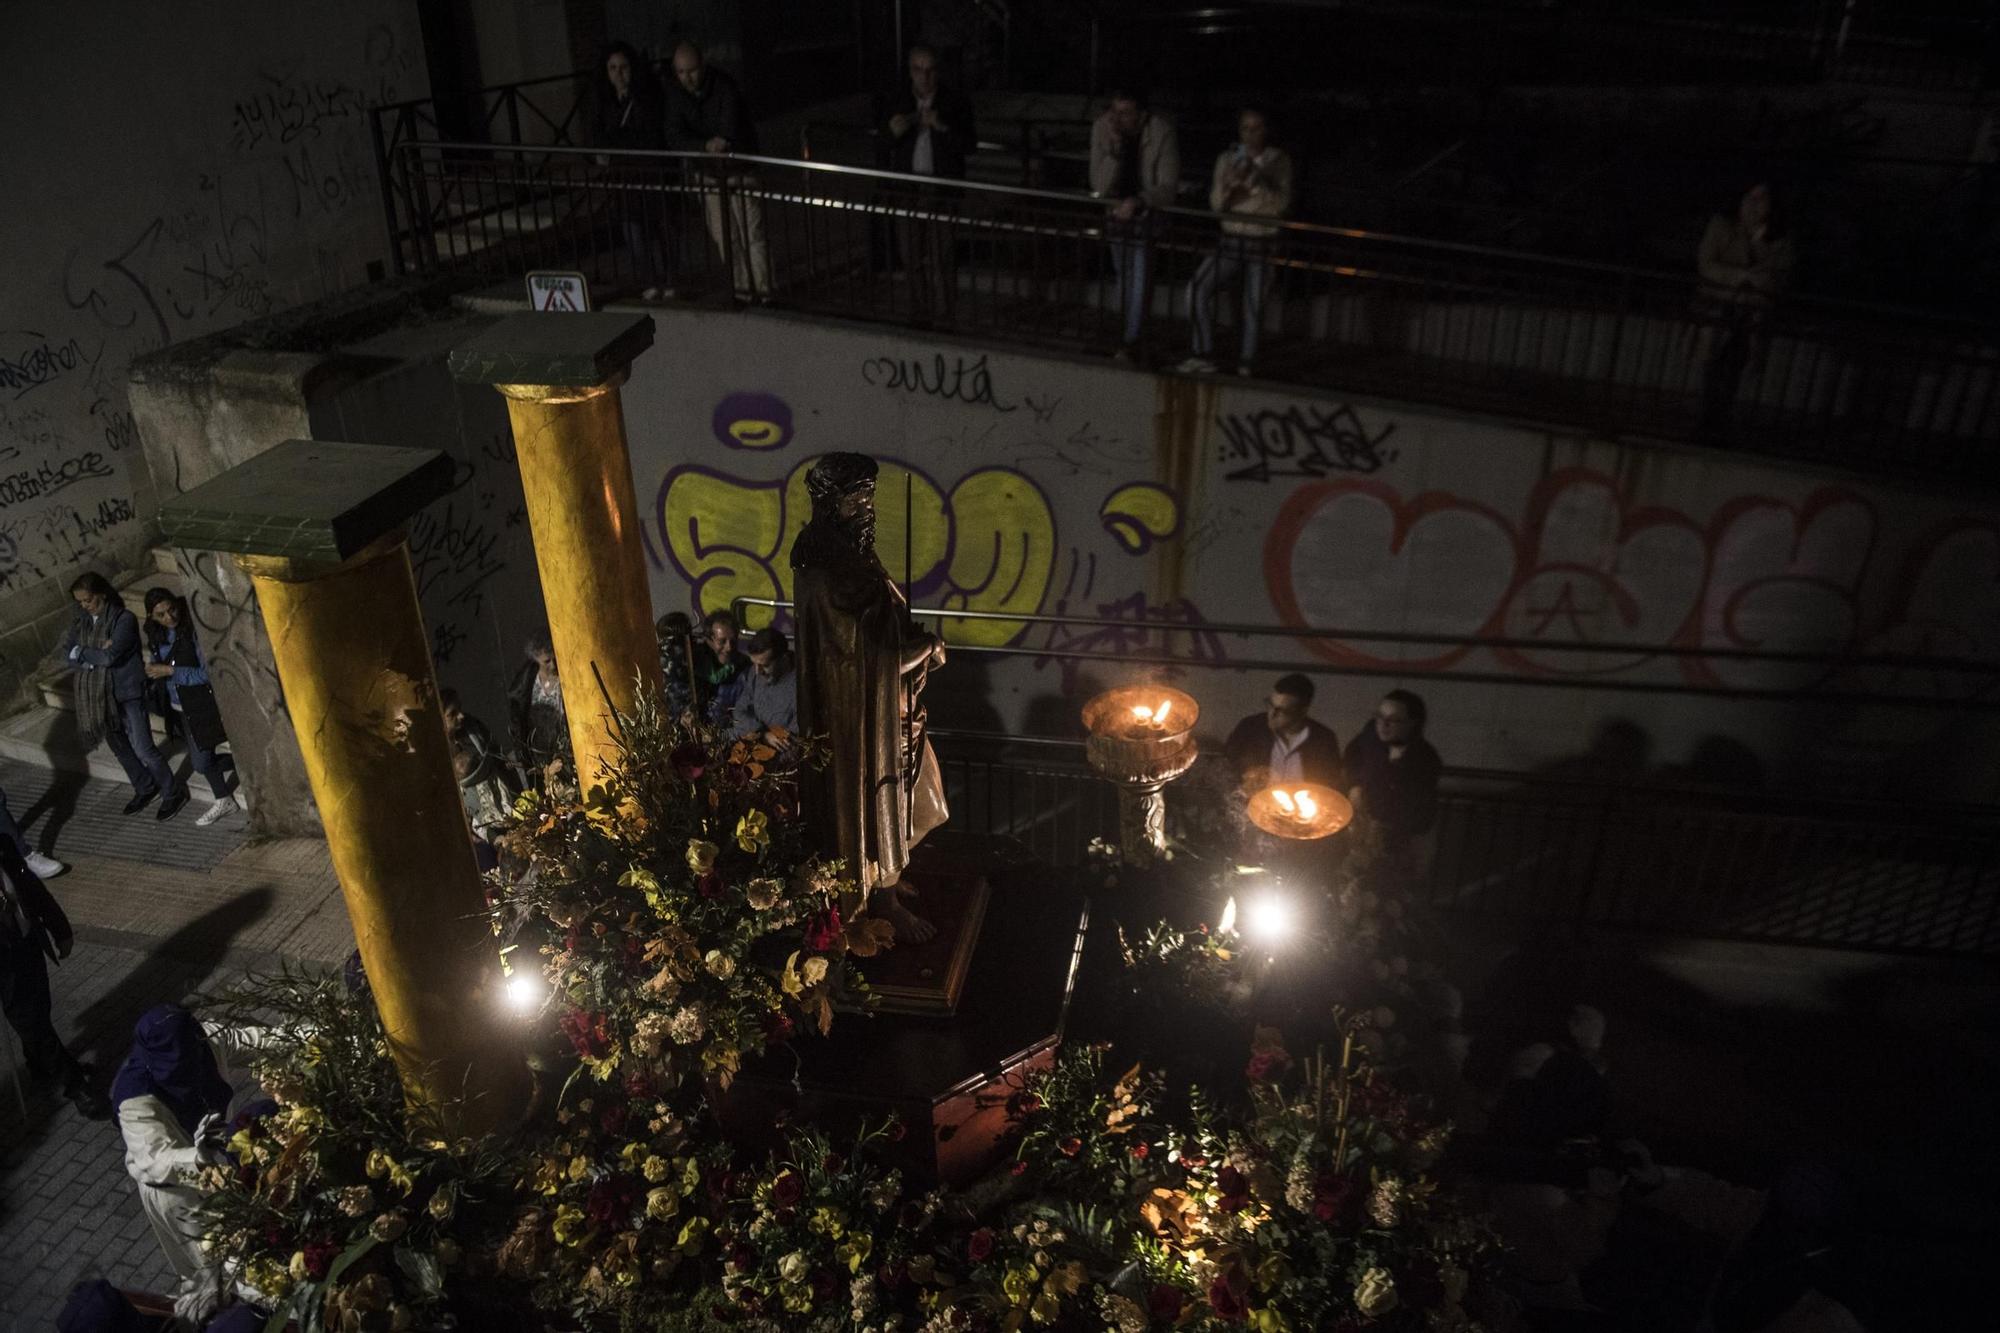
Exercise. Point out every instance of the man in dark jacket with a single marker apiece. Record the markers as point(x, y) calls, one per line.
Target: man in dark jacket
point(102, 648)
point(32, 924)
point(629, 113)
point(1283, 743)
point(1394, 770)
point(930, 134)
point(706, 113)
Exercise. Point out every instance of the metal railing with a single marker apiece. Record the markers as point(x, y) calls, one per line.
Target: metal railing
point(1594, 346)
point(1522, 848)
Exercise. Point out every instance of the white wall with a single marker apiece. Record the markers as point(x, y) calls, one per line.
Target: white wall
point(1061, 485)
point(171, 170)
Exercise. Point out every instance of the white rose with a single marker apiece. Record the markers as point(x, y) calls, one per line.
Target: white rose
point(1375, 1293)
point(813, 971)
point(792, 1268)
point(719, 964)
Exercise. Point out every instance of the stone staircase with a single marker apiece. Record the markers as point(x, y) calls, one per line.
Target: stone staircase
point(44, 734)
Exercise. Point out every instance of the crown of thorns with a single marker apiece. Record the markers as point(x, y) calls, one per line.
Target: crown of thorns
point(836, 475)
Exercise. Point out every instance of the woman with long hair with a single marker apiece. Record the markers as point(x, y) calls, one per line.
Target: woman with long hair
point(629, 113)
point(175, 663)
point(102, 647)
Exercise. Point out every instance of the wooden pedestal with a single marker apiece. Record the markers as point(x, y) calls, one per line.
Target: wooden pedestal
point(948, 1077)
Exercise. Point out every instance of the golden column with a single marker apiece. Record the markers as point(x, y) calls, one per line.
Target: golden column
point(560, 375)
point(319, 528)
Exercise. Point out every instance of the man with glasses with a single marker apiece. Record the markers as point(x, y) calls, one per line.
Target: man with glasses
point(1284, 744)
point(930, 134)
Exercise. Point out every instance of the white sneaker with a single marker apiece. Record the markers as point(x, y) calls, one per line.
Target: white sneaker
point(44, 867)
point(1196, 365)
point(215, 812)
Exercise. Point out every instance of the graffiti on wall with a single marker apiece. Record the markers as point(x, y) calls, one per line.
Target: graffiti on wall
point(1581, 567)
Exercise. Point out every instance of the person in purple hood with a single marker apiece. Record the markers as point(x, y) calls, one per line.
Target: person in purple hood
point(175, 1096)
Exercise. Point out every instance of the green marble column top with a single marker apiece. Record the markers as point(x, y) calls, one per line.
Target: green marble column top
point(574, 351)
point(312, 501)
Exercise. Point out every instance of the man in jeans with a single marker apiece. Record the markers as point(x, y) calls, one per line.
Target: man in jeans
point(1253, 177)
point(706, 113)
point(1135, 164)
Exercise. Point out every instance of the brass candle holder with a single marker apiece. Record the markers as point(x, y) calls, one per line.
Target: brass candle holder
point(1141, 738)
point(1301, 811)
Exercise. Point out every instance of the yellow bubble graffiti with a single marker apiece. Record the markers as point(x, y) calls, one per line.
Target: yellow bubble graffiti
point(1139, 515)
point(757, 434)
point(994, 540)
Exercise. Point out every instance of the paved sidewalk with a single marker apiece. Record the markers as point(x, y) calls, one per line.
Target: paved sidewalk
point(147, 931)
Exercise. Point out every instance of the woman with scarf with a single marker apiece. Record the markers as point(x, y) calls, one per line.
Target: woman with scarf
point(102, 648)
point(176, 1096)
point(177, 664)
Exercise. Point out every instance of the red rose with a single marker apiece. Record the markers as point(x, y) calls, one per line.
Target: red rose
point(1142, 1151)
point(824, 1284)
point(612, 1119)
point(1235, 1188)
point(979, 1245)
point(1164, 1302)
point(1267, 1066)
point(1331, 1193)
point(743, 1259)
point(1227, 1295)
point(320, 1255)
point(612, 1200)
point(589, 1033)
point(638, 1085)
point(688, 761)
point(1071, 1146)
point(1020, 1168)
point(709, 885)
point(824, 930)
point(777, 1029)
point(787, 1190)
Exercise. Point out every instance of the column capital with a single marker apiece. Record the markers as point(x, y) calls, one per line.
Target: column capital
point(578, 351)
point(308, 505)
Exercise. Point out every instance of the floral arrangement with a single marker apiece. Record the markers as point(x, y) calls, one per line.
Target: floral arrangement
point(681, 926)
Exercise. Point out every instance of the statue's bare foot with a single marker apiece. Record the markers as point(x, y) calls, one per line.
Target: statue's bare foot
point(910, 928)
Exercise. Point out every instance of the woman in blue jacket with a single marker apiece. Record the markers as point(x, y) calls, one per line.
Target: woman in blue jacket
point(176, 662)
point(102, 648)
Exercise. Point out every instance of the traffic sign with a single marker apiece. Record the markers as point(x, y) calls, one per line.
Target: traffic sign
point(557, 290)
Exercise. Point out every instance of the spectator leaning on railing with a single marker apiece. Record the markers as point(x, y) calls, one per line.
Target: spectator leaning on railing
point(1135, 165)
point(1745, 262)
point(706, 113)
point(1252, 176)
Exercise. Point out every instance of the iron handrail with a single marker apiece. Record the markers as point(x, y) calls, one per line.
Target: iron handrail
point(1965, 665)
point(1918, 812)
point(1666, 280)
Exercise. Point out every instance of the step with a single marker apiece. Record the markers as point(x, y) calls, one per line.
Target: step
point(46, 738)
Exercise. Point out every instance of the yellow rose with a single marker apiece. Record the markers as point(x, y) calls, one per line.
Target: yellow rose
point(1375, 1293)
point(568, 1226)
point(662, 1203)
point(1268, 1320)
point(1018, 1283)
point(719, 964)
point(792, 1268)
point(753, 832)
point(701, 856)
point(655, 1169)
point(579, 1167)
point(378, 1163)
point(813, 972)
point(855, 1251)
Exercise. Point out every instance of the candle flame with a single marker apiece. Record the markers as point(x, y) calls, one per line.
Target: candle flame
point(1308, 807)
point(1160, 717)
point(1283, 799)
point(1142, 713)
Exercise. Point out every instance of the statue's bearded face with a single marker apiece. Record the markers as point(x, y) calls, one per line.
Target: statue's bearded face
point(855, 512)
